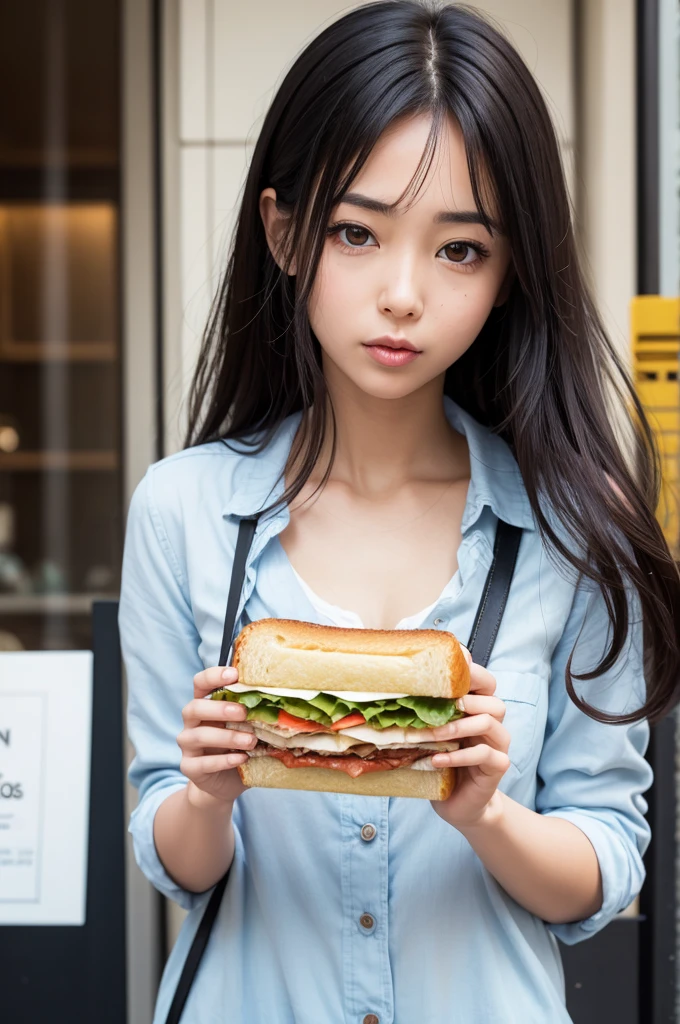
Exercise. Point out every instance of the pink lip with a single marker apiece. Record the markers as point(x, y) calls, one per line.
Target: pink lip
point(389, 351)
point(388, 356)
point(387, 341)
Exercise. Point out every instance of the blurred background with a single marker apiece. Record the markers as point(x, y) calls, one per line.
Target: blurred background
point(126, 127)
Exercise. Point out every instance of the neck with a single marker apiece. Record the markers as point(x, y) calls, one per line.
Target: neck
point(383, 444)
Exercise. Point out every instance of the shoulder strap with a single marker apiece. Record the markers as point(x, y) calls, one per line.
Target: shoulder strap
point(495, 594)
point(196, 951)
point(246, 532)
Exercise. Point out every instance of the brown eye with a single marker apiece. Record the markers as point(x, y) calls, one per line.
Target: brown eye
point(356, 235)
point(350, 237)
point(457, 251)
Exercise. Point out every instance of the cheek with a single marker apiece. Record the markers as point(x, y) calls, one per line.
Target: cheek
point(332, 287)
point(459, 311)
point(334, 301)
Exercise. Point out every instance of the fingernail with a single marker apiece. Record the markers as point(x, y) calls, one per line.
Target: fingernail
point(460, 704)
point(228, 673)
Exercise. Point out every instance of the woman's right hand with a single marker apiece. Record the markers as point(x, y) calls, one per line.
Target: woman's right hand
point(211, 747)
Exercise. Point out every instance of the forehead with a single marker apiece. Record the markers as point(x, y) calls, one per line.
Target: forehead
point(394, 159)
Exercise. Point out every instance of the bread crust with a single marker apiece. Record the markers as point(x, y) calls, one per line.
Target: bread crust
point(295, 635)
point(269, 773)
point(311, 636)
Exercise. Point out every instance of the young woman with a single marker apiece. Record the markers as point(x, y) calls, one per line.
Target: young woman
point(402, 353)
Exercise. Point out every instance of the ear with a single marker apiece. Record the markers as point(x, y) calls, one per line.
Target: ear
point(275, 222)
point(504, 290)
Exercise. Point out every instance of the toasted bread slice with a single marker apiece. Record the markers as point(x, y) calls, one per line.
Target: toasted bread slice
point(308, 656)
point(268, 772)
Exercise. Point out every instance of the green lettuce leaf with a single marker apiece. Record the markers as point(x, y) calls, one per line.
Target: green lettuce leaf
point(251, 700)
point(327, 704)
point(431, 710)
point(405, 712)
point(264, 713)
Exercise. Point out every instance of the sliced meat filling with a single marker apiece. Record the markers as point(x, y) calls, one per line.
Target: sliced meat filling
point(352, 764)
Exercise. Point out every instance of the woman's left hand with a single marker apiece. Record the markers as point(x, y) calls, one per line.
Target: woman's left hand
point(482, 759)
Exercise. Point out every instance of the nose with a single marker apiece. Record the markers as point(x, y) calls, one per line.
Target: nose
point(400, 296)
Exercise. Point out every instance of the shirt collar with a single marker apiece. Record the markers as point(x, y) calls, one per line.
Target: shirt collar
point(495, 479)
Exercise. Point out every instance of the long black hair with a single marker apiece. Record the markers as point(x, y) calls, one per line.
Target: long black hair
point(542, 373)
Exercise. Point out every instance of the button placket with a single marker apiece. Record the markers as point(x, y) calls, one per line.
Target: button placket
point(367, 944)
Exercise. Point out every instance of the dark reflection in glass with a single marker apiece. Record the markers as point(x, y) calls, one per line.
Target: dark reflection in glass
point(60, 424)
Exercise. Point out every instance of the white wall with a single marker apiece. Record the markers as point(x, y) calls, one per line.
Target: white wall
point(144, 955)
point(223, 64)
point(607, 165)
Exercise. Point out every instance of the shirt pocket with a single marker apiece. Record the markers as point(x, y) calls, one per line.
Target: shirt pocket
point(520, 692)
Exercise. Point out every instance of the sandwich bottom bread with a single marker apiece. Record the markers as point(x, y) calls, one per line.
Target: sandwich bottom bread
point(347, 710)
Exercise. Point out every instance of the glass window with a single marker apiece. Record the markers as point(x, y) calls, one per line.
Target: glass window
point(60, 404)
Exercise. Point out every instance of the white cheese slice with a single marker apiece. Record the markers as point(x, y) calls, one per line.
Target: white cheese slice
point(277, 692)
point(354, 695)
point(359, 695)
point(393, 734)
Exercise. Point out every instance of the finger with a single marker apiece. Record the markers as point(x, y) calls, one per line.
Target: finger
point(481, 680)
point(213, 679)
point(194, 740)
point(196, 767)
point(202, 710)
point(489, 760)
point(466, 654)
point(476, 704)
point(495, 734)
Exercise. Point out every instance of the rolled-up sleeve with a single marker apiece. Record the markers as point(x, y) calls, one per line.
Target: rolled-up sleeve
point(159, 643)
point(594, 774)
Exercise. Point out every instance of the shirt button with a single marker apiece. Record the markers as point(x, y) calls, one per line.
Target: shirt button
point(371, 1018)
point(438, 622)
point(368, 832)
point(366, 921)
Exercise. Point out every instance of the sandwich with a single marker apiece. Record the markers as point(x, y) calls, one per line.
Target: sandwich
point(347, 710)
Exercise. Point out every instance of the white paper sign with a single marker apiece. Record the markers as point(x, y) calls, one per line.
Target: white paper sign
point(45, 740)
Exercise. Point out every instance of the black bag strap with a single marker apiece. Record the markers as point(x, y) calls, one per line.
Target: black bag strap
point(246, 532)
point(195, 954)
point(495, 594)
point(484, 631)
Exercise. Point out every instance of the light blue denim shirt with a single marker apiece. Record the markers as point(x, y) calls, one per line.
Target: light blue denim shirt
point(447, 943)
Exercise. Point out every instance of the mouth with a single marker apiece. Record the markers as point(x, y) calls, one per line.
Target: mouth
point(390, 351)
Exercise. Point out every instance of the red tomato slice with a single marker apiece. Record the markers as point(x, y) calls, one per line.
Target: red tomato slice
point(356, 718)
point(301, 724)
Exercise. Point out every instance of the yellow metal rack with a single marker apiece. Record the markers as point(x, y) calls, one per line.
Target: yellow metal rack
point(655, 334)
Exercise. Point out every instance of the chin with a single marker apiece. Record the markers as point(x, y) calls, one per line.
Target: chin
point(388, 390)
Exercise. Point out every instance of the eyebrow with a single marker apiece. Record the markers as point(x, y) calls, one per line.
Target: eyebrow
point(443, 217)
